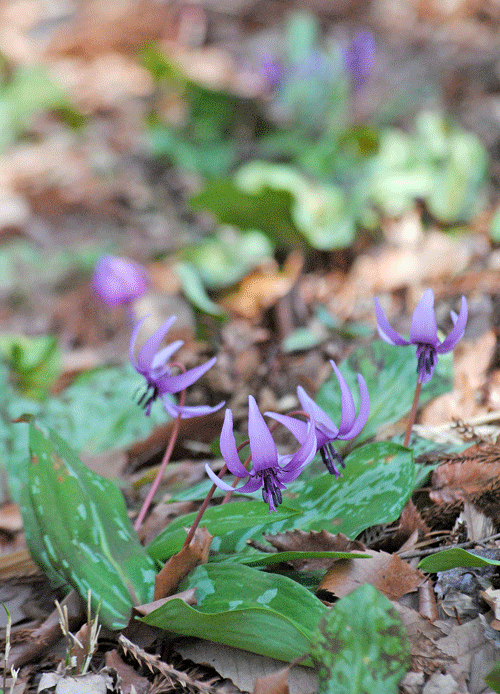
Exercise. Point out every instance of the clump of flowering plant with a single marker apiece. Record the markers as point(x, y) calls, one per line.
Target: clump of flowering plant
point(326, 430)
point(155, 366)
point(153, 363)
point(423, 333)
point(118, 281)
point(270, 471)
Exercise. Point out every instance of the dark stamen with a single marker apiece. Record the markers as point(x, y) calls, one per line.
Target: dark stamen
point(148, 397)
point(331, 459)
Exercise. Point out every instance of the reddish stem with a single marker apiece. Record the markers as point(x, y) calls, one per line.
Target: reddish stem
point(163, 465)
point(413, 414)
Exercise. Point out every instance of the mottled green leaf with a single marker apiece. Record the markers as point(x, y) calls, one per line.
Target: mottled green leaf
point(218, 520)
point(453, 558)
point(78, 530)
point(239, 606)
point(391, 376)
point(360, 646)
point(375, 486)
point(267, 559)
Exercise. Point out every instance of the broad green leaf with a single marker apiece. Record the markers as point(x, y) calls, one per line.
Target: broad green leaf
point(218, 520)
point(452, 558)
point(268, 210)
point(374, 488)
point(267, 559)
point(97, 412)
point(78, 530)
point(193, 288)
point(239, 606)
point(360, 646)
point(391, 376)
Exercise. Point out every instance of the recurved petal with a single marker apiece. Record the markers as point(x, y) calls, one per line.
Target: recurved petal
point(385, 330)
point(228, 447)
point(187, 412)
point(174, 384)
point(133, 338)
point(262, 446)
point(151, 346)
point(348, 410)
point(302, 457)
point(216, 480)
point(423, 324)
point(322, 420)
point(456, 333)
point(163, 356)
point(364, 411)
point(294, 426)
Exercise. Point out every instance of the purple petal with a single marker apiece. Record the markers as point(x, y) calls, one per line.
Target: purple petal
point(252, 485)
point(295, 426)
point(456, 333)
point(228, 447)
point(321, 419)
point(216, 480)
point(423, 324)
point(187, 412)
point(148, 351)
point(133, 338)
point(364, 411)
point(163, 356)
point(173, 384)
point(385, 330)
point(262, 446)
point(302, 457)
point(348, 410)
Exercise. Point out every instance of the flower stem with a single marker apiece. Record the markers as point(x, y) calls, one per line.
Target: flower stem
point(163, 465)
point(211, 491)
point(202, 510)
point(413, 414)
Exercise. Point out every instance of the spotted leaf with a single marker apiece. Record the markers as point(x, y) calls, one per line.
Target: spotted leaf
point(78, 530)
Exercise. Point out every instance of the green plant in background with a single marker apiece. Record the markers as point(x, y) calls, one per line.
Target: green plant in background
point(35, 362)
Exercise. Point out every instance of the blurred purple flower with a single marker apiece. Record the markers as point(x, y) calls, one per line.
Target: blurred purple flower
point(270, 470)
point(118, 280)
point(152, 363)
point(423, 333)
point(326, 431)
point(359, 56)
point(273, 72)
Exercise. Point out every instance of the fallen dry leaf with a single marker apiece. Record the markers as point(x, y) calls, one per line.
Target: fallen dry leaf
point(178, 566)
point(188, 596)
point(386, 572)
point(129, 677)
point(472, 475)
point(276, 683)
point(427, 601)
point(422, 635)
point(262, 288)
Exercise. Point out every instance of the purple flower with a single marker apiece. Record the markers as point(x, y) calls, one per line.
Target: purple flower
point(118, 280)
point(326, 431)
point(358, 57)
point(152, 363)
point(423, 333)
point(270, 470)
